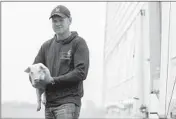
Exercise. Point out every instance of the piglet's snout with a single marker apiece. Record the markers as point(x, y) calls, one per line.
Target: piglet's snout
point(37, 83)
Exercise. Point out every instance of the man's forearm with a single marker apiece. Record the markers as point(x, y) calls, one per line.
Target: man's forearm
point(81, 65)
point(73, 76)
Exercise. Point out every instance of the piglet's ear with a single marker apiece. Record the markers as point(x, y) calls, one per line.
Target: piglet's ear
point(27, 70)
point(42, 67)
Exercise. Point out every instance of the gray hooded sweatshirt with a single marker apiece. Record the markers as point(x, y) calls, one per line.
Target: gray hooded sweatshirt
point(68, 62)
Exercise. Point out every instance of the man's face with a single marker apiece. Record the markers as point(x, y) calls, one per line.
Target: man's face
point(60, 25)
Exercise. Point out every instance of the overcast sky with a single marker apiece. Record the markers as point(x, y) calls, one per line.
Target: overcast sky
point(26, 25)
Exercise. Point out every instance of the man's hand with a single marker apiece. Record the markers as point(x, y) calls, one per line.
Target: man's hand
point(49, 81)
point(52, 81)
point(43, 83)
point(46, 82)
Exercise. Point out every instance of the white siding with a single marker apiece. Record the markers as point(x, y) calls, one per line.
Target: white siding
point(168, 61)
point(119, 18)
point(122, 45)
point(137, 56)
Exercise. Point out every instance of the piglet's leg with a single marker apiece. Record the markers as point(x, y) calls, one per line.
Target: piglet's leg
point(44, 98)
point(39, 93)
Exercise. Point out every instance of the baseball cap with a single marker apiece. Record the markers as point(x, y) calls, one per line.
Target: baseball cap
point(60, 10)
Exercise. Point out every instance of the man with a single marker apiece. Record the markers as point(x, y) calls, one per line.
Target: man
point(67, 57)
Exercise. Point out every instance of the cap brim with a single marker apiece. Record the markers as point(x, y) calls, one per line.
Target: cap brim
point(57, 14)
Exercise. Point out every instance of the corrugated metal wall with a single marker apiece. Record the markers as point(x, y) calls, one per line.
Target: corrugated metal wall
point(133, 36)
point(168, 57)
point(123, 31)
point(120, 16)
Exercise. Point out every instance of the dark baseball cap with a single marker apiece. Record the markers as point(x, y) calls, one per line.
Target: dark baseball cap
point(61, 11)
